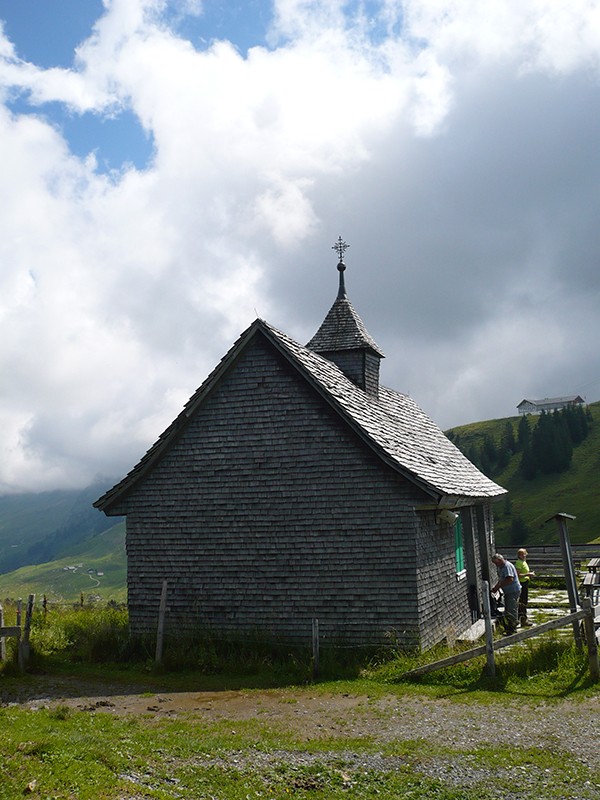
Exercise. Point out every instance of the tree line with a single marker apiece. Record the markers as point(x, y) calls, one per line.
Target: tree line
point(546, 446)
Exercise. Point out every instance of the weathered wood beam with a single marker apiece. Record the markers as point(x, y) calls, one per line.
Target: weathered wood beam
point(499, 644)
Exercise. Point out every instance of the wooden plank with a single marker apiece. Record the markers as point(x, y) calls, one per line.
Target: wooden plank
point(315, 649)
point(446, 662)
point(10, 630)
point(536, 630)
point(546, 560)
point(499, 644)
point(489, 631)
point(162, 610)
point(592, 579)
point(590, 636)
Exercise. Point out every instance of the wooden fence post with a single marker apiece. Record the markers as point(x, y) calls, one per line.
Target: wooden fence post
point(567, 557)
point(2, 639)
point(160, 632)
point(315, 649)
point(19, 612)
point(24, 648)
point(590, 635)
point(489, 631)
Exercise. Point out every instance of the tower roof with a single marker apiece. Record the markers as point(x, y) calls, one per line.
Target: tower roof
point(342, 328)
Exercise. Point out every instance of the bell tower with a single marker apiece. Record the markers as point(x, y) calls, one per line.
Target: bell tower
point(344, 340)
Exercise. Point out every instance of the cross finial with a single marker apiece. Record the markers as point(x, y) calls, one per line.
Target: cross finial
point(340, 247)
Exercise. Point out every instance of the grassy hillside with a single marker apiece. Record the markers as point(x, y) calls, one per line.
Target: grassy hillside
point(35, 528)
point(66, 578)
point(576, 491)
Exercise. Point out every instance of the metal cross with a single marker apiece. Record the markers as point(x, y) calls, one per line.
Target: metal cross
point(340, 247)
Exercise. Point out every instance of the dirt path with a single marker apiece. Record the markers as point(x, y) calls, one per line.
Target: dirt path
point(309, 714)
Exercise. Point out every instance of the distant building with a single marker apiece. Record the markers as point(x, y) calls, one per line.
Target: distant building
point(548, 404)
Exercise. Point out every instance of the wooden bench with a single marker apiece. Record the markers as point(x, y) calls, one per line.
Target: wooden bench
point(591, 580)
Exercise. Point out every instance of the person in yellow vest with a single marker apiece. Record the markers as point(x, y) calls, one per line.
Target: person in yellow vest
point(524, 574)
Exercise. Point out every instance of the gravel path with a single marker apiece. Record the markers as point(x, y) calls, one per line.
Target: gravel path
point(561, 727)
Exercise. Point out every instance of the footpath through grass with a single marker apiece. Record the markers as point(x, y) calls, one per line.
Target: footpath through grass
point(63, 754)
point(50, 748)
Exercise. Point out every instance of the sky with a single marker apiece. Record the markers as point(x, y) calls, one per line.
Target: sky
point(169, 171)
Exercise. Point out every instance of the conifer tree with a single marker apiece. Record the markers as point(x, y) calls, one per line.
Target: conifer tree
point(528, 466)
point(508, 438)
point(523, 433)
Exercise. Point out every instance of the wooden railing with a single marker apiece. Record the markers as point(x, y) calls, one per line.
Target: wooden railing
point(588, 614)
point(546, 560)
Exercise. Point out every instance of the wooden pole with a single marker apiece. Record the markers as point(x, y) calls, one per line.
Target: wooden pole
point(20, 661)
point(162, 610)
point(489, 632)
point(590, 635)
point(24, 649)
point(315, 649)
point(567, 557)
point(2, 639)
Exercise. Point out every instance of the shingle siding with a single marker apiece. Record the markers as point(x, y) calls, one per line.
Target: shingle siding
point(443, 597)
point(268, 512)
point(360, 366)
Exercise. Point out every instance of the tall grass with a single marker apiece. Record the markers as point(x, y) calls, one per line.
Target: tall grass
point(90, 634)
point(549, 666)
point(99, 634)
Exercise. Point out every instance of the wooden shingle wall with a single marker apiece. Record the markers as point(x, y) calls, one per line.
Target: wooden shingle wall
point(360, 366)
point(268, 512)
point(443, 595)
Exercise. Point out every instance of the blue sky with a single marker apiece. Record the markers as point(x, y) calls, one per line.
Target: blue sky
point(47, 33)
point(192, 167)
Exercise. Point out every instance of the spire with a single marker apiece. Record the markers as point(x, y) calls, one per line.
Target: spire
point(340, 247)
point(344, 339)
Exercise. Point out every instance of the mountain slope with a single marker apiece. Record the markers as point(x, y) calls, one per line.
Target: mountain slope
point(95, 567)
point(520, 517)
point(35, 528)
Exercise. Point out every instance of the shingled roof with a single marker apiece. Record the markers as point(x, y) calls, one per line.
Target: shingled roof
point(392, 425)
point(397, 428)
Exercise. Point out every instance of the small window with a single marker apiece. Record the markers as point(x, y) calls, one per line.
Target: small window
point(459, 548)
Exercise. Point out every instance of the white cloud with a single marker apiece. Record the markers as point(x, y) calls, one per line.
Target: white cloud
point(538, 33)
point(452, 143)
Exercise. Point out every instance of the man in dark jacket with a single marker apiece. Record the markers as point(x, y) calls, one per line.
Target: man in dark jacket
point(508, 581)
